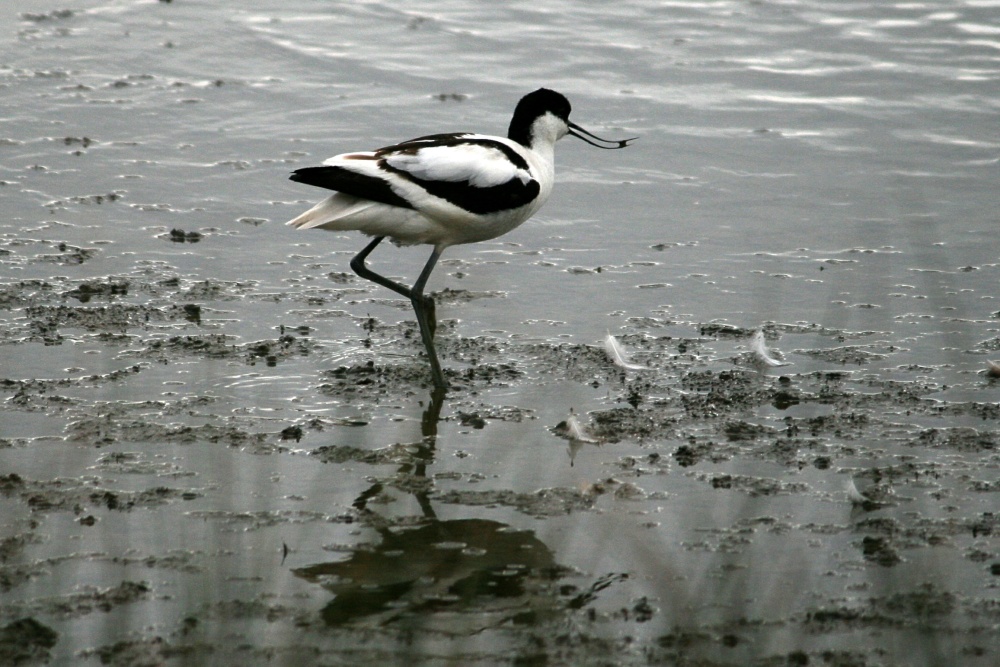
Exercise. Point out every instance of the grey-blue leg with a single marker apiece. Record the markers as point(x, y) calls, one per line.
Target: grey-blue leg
point(423, 306)
point(358, 265)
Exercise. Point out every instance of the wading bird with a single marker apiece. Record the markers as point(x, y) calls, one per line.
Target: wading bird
point(444, 190)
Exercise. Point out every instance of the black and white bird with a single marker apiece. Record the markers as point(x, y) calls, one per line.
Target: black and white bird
point(444, 190)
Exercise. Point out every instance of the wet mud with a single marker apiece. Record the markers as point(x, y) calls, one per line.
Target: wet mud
point(218, 446)
point(873, 446)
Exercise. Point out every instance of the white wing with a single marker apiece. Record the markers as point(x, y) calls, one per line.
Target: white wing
point(480, 165)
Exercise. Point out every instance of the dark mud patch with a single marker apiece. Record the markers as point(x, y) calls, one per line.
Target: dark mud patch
point(454, 296)
point(82, 495)
point(924, 606)
point(960, 439)
point(545, 502)
point(393, 454)
point(46, 322)
point(101, 431)
point(219, 346)
point(373, 382)
point(755, 486)
point(26, 642)
point(28, 251)
point(41, 394)
point(89, 600)
point(151, 651)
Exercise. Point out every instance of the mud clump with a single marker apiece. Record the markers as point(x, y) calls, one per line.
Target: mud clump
point(222, 346)
point(48, 322)
point(86, 291)
point(43, 496)
point(962, 439)
point(26, 642)
point(754, 486)
point(546, 502)
point(180, 236)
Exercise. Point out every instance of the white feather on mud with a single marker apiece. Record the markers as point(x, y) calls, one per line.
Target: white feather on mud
point(575, 431)
point(760, 352)
point(617, 355)
point(855, 496)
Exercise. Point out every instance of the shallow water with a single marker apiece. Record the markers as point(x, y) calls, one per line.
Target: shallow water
point(217, 444)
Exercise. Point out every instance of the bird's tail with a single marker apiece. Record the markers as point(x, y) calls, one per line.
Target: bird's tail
point(328, 212)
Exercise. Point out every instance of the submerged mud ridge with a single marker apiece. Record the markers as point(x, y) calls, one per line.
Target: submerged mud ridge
point(912, 475)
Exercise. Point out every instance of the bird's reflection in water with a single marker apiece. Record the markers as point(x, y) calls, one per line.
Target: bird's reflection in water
point(465, 565)
point(482, 569)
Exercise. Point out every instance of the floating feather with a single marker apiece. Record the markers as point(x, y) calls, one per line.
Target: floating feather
point(853, 494)
point(617, 355)
point(575, 430)
point(759, 349)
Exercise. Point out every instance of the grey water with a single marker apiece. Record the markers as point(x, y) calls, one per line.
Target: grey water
point(824, 168)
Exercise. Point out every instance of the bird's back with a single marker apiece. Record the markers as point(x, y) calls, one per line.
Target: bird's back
point(442, 189)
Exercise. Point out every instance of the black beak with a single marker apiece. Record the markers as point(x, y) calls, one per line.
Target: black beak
point(581, 133)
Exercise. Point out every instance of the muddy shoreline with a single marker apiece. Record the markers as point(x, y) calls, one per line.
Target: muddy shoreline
point(682, 416)
point(219, 446)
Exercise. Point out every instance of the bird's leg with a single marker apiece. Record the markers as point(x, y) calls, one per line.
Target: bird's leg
point(423, 306)
point(430, 307)
point(358, 265)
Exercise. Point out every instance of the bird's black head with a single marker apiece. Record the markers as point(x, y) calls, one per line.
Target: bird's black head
point(534, 105)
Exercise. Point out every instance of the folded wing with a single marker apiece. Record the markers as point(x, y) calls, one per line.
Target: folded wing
point(478, 174)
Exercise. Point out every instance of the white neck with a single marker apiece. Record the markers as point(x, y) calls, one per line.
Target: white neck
point(545, 132)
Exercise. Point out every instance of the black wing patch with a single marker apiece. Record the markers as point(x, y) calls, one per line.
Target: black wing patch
point(350, 183)
point(503, 197)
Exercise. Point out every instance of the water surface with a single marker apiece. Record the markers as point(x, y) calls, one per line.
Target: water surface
point(217, 444)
